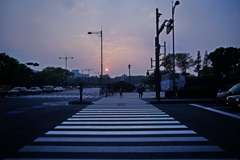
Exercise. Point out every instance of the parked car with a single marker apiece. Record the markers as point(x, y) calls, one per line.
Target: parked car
point(3, 93)
point(48, 89)
point(34, 90)
point(18, 91)
point(233, 100)
point(58, 89)
point(222, 95)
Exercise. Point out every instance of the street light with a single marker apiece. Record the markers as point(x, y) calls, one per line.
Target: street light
point(173, 10)
point(129, 67)
point(100, 35)
point(66, 58)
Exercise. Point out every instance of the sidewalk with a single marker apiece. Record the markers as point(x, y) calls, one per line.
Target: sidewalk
point(149, 98)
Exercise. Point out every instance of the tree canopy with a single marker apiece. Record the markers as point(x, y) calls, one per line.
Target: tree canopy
point(184, 61)
point(225, 61)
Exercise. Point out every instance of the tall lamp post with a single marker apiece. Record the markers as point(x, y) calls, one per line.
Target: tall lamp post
point(129, 67)
point(100, 35)
point(173, 10)
point(66, 58)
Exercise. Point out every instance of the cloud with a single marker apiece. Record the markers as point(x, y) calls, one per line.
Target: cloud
point(72, 5)
point(87, 13)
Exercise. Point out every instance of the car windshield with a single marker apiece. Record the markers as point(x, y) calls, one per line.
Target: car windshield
point(16, 89)
point(32, 88)
point(235, 88)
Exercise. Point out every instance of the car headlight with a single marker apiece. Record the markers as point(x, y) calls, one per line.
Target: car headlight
point(227, 98)
point(237, 99)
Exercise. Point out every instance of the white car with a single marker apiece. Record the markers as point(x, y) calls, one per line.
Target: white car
point(58, 89)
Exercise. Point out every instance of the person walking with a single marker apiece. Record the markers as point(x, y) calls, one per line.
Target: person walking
point(140, 91)
point(120, 92)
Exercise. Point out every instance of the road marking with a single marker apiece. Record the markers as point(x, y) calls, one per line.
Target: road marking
point(119, 113)
point(122, 122)
point(120, 132)
point(116, 119)
point(161, 115)
point(117, 139)
point(123, 149)
point(122, 127)
point(217, 111)
point(124, 109)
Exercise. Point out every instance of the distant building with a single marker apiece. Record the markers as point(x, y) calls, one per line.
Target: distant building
point(78, 74)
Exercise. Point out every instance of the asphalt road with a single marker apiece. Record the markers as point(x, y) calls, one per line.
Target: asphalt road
point(23, 120)
point(219, 129)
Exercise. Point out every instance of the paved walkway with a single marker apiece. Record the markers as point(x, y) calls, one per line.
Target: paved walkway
point(127, 99)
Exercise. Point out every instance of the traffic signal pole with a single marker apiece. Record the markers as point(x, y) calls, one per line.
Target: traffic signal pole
point(157, 51)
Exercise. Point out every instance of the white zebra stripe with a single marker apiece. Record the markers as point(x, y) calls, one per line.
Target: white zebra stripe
point(117, 139)
point(168, 132)
point(121, 122)
point(122, 149)
point(122, 127)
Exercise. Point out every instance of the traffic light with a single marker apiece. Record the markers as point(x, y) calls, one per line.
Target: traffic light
point(169, 26)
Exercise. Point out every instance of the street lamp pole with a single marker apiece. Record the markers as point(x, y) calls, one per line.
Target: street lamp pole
point(129, 67)
point(101, 76)
point(173, 10)
point(66, 58)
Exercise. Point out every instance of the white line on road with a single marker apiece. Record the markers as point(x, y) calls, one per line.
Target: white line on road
point(120, 132)
point(217, 111)
point(122, 149)
point(121, 122)
point(118, 119)
point(108, 115)
point(121, 139)
point(122, 127)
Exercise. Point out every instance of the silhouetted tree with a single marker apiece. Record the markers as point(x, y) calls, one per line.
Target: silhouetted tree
point(12, 73)
point(206, 69)
point(225, 61)
point(167, 63)
point(197, 63)
point(184, 61)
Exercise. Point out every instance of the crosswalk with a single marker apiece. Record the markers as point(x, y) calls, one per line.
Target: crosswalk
point(120, 132)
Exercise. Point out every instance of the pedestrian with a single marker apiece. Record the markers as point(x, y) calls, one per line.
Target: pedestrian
point(112, 90)
point(140, 90)
point(106, 91)
point(120, 92)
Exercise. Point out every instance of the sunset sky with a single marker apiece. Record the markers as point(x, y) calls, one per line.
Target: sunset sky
point(43, 30)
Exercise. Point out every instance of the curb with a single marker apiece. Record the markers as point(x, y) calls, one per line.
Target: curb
point(79, 102)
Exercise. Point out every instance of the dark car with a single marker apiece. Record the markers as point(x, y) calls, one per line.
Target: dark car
point(18, 91)
point(233, 100)
point(48, 89)
point(222, 95)
point(3, 93)
point(34, 90)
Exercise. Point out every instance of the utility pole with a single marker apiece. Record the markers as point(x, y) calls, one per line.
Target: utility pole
point(157, 53)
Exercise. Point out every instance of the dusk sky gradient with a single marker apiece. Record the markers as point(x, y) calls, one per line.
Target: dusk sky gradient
point(43, 30)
